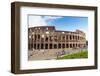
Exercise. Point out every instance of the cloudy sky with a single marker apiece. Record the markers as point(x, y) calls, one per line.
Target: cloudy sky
point(66, 23)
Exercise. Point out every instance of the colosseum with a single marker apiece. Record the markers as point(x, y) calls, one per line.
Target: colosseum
point(48, 38)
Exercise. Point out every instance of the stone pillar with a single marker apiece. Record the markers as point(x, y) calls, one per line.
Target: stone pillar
point(72, 44)
point(69, 44)
point(40, 42)
point(44, 42)
point(72, 37)
point(61, 42)
point(48, 42)
point(36, 41)
point(33, 43)
point(53, 41)
point(57, 42)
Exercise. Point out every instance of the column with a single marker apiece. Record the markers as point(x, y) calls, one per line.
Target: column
point(72, 37)
point(40, 42)
point(53, 41)
point(57, 41)
point(44, 42)
point(33, 43)
point(61, 41)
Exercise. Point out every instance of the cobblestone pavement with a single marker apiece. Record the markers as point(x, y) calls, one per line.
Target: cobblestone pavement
point(50, 54)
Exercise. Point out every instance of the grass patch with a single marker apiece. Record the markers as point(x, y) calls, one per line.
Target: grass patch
point(81, 54)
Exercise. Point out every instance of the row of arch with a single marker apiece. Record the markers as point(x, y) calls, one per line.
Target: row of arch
point(54, 46)
point(55, 38)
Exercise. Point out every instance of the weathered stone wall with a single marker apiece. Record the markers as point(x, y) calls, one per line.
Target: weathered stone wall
point(47, 37)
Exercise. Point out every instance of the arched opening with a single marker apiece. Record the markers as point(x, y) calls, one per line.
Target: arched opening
point(34, 46)
point(55, 46)
point(63, 45)
point(42, 46)
point(67, 46)
point(59, 46)
point(38, 45)
point(46, 39)
point(35, 37)
point(73, 45)
point(70, 45)
point(38, 36)
point(70, 37)
point(50, 46)
point(46, 46)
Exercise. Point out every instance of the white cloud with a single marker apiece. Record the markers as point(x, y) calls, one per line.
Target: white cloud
point(40, 21)
point(36, 21)
point(52, 17)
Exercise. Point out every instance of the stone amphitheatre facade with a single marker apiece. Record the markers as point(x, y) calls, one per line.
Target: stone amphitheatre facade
point(47, 38)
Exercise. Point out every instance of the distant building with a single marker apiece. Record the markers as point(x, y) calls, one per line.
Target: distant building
point(47, 37)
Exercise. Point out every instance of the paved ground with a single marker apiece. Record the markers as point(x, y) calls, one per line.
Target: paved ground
point(50, 54)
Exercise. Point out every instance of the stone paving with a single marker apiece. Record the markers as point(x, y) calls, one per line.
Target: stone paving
point(50, 54)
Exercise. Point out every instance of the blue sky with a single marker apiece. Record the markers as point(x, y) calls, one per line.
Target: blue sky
point(69, 23)
point(66, 23)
